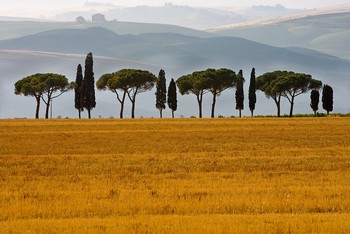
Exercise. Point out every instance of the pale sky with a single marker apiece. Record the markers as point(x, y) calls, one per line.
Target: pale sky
point(38, 8)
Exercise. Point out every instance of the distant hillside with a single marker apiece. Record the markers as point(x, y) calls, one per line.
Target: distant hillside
point(172, 50)
point(339, 20)
point(182, 15)
point(329, 33)
point(263, 12)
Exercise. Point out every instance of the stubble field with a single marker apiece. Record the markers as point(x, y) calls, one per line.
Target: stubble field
point(251, 175)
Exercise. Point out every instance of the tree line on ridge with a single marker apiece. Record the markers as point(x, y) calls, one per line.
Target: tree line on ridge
point(128, 83)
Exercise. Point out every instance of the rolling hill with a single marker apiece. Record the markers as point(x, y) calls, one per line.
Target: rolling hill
point(325, 32)
point(16, 29)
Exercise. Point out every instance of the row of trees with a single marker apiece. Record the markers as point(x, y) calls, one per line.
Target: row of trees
point(43, 87)
point(275, 85)
point(212, 81)
point(128, 83)
point(289, 85)
point(286, 84)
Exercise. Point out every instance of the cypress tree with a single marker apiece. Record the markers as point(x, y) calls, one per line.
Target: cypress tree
point(79, 91)
point(315, 99)
point(172, 97)
point(89, 85)
point(327, 98)
point(252, 92)
point(161, 92)
point(240, 93)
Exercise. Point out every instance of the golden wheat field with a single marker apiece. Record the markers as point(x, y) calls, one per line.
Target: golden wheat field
point(250, 175)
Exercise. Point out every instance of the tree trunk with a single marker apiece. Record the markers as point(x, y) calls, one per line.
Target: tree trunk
point(89, 113)
point(121, 110)
point(122, 105)
point(133, 107)
point(252, 111)
point(161, 113)
point(47, 108)
point(213, 106)
point(200, 108)
point(278, 103)
point(172, 113)
point(315, 112)
point(79, 114)
point(291, 107)
point(133, 102)
point(240, 113)
point(199, 99)
point(37, 107)
point(133, 110)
